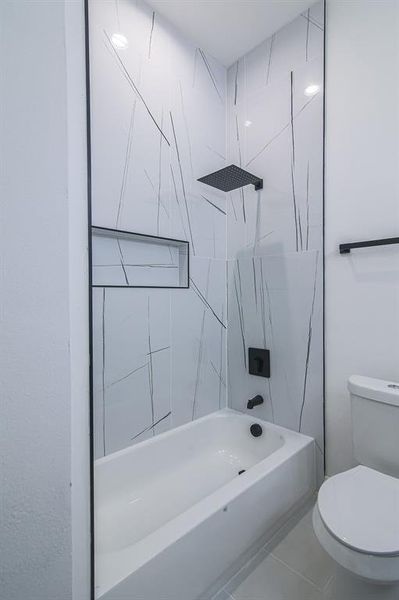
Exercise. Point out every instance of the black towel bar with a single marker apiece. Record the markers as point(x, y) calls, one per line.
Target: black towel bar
point(346, 248)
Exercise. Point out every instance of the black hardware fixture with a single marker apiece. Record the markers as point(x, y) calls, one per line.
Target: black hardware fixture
point(242, 471)
point(259, 362)
point(231, 178)
point(346, 248)
point(255, 401)
point(256, 430)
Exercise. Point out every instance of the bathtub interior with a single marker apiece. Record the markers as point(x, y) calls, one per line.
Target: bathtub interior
point(141, 488)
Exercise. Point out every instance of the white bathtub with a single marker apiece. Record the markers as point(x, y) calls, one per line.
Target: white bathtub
point(173, 515)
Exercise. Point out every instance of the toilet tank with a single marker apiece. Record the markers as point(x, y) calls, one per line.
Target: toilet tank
point(375, 423)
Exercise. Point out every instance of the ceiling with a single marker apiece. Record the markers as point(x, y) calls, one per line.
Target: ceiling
point(227, 29)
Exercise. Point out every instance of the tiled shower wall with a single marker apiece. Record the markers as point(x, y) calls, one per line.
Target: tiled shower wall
point(275, 236)
point(158, 123)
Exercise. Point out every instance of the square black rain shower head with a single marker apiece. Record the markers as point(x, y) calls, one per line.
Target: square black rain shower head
point(231, 178)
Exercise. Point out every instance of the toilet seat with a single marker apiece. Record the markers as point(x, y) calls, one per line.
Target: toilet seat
point(360, 507)
point(350, 521)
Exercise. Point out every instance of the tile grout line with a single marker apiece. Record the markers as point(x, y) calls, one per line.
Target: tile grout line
point(297, 573)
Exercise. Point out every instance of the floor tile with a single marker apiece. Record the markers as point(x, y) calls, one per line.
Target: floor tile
point(272, 580)
point(301, 551)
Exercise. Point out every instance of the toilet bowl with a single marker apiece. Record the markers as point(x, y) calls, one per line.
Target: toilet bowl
point(356, 517)
point(356, 520)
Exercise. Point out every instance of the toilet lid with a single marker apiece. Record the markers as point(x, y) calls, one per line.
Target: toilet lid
point(361, 509)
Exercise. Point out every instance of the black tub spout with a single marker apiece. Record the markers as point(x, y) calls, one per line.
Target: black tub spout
point(255, 401)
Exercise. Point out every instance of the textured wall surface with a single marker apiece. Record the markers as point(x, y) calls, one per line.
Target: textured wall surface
point(35, 506)
point(275, 236)
point(158, 123)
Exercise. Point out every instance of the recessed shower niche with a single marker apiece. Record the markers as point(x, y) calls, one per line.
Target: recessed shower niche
point(125, 259)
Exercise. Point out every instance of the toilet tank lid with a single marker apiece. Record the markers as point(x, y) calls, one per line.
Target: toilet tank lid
point(378, 390)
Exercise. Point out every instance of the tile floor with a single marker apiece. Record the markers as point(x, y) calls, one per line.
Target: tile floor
point(297, 569)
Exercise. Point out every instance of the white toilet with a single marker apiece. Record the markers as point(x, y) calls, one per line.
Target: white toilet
point(356, 518)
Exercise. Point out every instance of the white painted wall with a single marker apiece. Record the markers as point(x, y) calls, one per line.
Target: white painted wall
point(43, 338)
point(362, 202)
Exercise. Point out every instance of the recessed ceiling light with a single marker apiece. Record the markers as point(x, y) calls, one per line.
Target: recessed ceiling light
point(248, 123)
point(119, 41)
point(312, 89)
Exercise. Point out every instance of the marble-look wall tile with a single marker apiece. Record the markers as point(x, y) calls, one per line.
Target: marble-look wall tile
point(276, 131)
point(158, 124)
point(159, 356)
point(276, 302)
point(199, 321)
point(275, 236)
point(131, 365)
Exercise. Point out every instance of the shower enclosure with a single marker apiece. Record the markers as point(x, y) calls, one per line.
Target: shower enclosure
point(186, 277)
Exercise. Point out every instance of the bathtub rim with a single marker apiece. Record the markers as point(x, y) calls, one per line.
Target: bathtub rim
point(218, 414)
